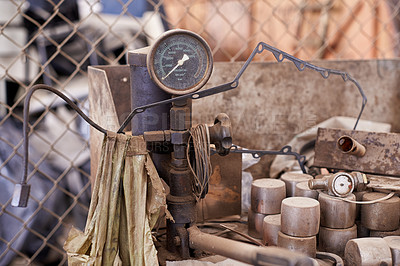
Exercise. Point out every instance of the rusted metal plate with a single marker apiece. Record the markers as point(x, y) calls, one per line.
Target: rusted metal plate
point(274, 101)
point(109, 99)
point(382, 155)
point(224, 191)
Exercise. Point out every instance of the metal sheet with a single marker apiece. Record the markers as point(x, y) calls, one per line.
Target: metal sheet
point(382, 155)
point(224, 191)
point(109, 99)
point(274, 101)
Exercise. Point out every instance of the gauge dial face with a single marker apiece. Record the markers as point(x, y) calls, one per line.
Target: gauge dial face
point(180, 62)
point(342, 185)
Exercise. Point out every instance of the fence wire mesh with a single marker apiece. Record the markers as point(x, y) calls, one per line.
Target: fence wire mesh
point(54, 41)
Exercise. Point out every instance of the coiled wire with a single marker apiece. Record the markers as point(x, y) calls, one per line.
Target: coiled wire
point(201, 168)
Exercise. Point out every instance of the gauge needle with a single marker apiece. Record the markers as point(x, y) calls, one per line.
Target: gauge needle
point(180, 62)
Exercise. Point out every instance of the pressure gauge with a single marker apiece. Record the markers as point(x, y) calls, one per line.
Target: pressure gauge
point(342, 184)
point(180, 62)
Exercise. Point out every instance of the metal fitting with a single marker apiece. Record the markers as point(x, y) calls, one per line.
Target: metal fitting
point(180, 118)
point(350, 146)
point(179, 137)
point(340, 184)
point(221, 134)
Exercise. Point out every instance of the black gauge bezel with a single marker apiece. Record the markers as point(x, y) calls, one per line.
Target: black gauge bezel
point(151, 64)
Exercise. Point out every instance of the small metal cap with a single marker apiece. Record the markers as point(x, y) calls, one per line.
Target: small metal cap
point(21, 195)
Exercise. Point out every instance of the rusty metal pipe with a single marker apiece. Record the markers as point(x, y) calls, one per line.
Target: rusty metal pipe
point(350, 146)
point(245, 252)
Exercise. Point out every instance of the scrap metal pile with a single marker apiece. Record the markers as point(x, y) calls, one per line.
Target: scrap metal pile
point(350, 211)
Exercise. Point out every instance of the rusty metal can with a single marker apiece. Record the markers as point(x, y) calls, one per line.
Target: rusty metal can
point(300, 216)
point(367, 251)
point(291, 179)
point(271, 227)
point(267, 195)
point(303, 190)
point(334, 240)
point(306, 245)
point(383, 215)
point(255, 224)
point(336, 213)
point(394, 245)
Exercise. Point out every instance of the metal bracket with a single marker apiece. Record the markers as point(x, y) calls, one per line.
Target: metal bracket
point(286, 150)
point(280, 56)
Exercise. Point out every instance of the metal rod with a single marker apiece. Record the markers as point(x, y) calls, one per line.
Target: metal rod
point(286, 150)
point(26, 120)
point(244, 252)
point(280, 56)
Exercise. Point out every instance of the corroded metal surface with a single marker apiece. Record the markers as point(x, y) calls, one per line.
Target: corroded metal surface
point(245, 252)
point(224, 188)
point(274, 101)
point(334, 240)
point(267, 195)
point(305, 245)
point(382, 155)
point(255, 224)
point(300, 216)
point(292, 179)
point(107, 106)
point(381, 216)
point(271, 227)
point(367, 251)
point(336, 213)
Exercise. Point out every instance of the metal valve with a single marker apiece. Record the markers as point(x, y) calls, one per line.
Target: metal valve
point(221, 134)
point(340, 184)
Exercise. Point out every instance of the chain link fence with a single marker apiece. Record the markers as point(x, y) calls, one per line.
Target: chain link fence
point(54, 41)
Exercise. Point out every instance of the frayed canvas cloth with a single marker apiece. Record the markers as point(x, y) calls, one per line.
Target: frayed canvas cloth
point(126, 199)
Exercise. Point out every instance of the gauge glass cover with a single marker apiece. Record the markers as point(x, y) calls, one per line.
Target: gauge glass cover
point(180, 62)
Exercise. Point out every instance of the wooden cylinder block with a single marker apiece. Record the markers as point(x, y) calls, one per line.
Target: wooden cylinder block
point(302, 190)
point(382, 215)
point(367, 251)
point(271, 227)
point(336, 213)
point(335, 240)
point(394, 245)
point(255, 224)
point(291, 180)
point(300, 216)
point(267, 195)
point(306, 245)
